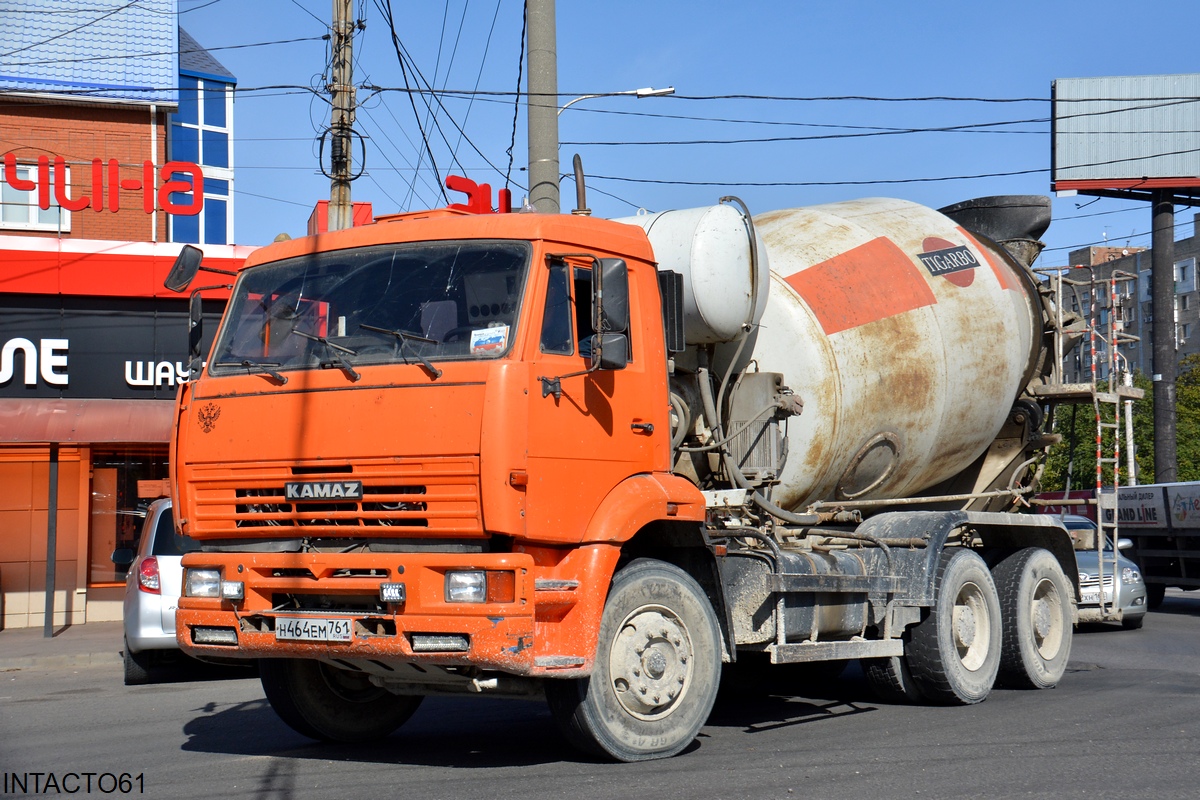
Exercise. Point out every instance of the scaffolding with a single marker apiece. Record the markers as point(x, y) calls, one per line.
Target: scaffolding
point(1110, 391)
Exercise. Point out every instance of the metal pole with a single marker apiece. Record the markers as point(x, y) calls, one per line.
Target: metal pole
point(341, 209)
point(542, 107)
point(51, 541)
point(1162, 275)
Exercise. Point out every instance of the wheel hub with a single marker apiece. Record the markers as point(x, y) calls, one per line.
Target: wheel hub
point(650, 664)
point(971, 626)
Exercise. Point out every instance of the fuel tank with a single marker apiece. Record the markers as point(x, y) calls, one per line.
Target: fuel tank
point(908, 339)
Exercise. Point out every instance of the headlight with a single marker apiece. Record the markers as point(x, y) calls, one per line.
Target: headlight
point(466, 586)
point(203, 583)
point(1129, 575)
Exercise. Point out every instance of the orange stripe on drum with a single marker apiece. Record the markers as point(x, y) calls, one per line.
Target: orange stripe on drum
point(1003, 272)
point(873, 281)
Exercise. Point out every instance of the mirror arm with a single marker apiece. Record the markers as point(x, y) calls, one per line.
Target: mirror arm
point(554, 386)
point(217, 270)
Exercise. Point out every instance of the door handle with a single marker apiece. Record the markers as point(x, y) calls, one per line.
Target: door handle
point(647, 427)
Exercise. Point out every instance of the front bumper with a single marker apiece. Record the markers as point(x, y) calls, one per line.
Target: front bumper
point(346, 586)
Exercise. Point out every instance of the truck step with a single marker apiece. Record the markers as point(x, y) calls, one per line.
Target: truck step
point(830, 651)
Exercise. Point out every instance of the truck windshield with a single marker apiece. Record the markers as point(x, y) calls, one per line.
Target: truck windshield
point(408, 303)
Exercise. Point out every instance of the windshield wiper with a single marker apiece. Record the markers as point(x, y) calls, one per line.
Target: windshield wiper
point(257, 368)
point(338, 360)
point(404, 337)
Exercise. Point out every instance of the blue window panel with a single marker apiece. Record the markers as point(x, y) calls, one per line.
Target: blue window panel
point(185, 229)
point(216, 149)
point(188, 111)
point(215, 221)
point(214, 105)
point(216, 186)
point(185, 144)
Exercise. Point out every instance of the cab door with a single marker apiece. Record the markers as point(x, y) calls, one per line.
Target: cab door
point(588, 431)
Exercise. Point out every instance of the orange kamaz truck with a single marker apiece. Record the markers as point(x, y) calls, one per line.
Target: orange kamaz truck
point(594, 460)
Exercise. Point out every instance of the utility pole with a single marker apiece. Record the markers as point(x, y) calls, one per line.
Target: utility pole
point(542, 107)
point(1162, 286)
point(341, 209)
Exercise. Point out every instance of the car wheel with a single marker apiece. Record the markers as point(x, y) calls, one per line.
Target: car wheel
point(658, 664)
point(137, 667)
point(1036, 612)
point(1133, 623)
point(954, 653)
point(1155, 592)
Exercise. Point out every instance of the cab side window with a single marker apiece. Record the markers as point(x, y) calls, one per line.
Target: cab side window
point(556, 320)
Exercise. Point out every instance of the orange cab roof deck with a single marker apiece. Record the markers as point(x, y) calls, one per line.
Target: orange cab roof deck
point(580, 234)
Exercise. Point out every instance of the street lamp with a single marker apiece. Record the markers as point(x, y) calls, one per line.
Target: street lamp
point(580, 205)
point(638, 93)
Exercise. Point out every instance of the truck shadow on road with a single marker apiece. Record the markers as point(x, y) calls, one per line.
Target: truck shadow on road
point(488, 733)
point(445, 732)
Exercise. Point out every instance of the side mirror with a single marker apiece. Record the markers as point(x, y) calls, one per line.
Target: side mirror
point(1124, 544)
point(610, 296)
point(186, 265)
point(195, 331)
point(609, 351)
point(123, 557)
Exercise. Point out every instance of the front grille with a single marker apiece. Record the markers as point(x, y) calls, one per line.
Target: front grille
point(265, 507)
point(439, 497)
point(1087, 581)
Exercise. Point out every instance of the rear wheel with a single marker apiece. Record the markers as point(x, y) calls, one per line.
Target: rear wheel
point(658, 664)
point(1155, 593)
point(137, 667)
point(1036, 613)
point(329, 704)
point(954, 653)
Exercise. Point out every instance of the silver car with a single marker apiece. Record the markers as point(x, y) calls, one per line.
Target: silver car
point(152, 588)
point(1129, 604)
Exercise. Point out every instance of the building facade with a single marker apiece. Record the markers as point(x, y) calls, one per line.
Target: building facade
point(1134, 308)
point(116, 130)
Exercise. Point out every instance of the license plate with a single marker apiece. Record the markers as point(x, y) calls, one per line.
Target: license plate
point(312, 629)
point(1093, 598)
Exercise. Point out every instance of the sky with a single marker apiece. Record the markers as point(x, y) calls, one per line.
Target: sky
point(642, 153)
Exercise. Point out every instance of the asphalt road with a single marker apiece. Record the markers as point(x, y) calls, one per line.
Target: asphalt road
point(1123, 723)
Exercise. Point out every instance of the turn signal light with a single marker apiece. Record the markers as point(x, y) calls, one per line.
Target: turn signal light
point(501, 586)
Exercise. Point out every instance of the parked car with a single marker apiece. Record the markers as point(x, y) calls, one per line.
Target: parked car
point(152, 587)
point(1129, 605)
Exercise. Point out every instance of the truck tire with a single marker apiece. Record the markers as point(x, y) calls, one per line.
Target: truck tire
point(332, 705)
point(891, 680)
point(137, 667)
point(1155, 594)
point(954, 653)
point(657, 668)
point(1035, 607)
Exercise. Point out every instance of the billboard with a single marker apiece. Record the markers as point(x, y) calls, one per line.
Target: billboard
point(1132, 132)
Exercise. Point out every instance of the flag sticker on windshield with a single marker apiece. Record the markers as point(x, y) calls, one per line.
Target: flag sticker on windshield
point(489, 340)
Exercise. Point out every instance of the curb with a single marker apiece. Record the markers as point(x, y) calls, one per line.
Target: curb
point(72, 660)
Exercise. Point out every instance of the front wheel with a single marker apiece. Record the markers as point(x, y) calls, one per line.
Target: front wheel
point(954, 653)
point(1036, 607)
point(329, 704)
point(1155, 594)
point(657, 668)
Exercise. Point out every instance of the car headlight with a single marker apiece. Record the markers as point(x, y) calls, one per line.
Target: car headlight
point(1129, 575)
point(203, 583)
